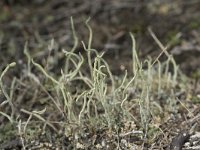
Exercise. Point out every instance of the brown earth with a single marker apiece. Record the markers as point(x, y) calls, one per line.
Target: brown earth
point(175, 23)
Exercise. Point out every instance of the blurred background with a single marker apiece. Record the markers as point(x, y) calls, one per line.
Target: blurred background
point(175, 23)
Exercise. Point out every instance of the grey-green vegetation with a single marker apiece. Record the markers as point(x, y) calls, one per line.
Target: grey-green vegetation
point(92, 96)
